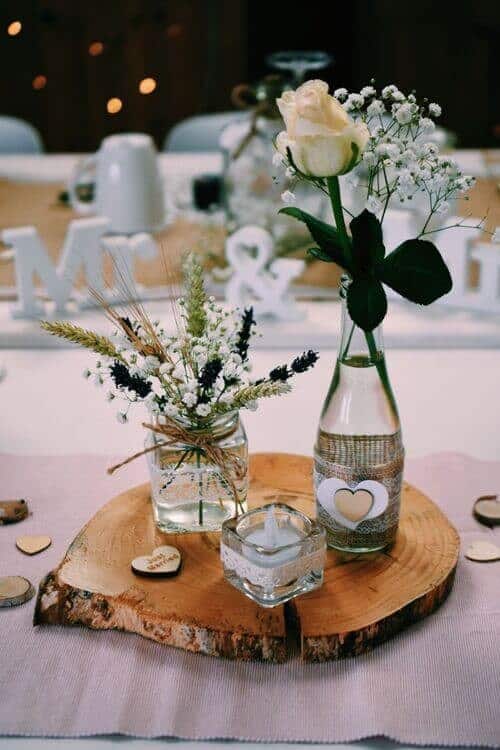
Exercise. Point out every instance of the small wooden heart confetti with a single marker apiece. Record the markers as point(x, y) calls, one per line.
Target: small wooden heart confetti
point(164, 561)
point(32, 545)
point(15, 590)
point(483, 551)
point(12, 511)
point(487, 510)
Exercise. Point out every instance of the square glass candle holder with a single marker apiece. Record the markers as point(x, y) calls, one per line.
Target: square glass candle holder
point(272, 554)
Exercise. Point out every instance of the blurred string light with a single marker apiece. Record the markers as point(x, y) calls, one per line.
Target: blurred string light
point(14, 28)
point(114, 105)
point(96, 49)
point(174, 31)
point(147, 85)
point(39, 82)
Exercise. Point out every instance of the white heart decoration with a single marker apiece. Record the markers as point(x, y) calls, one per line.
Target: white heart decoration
point(326, 498)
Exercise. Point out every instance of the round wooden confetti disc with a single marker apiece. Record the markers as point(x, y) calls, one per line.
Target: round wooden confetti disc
point(32, 545)
point(12, 511)
point(487, 510)
point(15, 590)
point(483, 551)
point(163, 561)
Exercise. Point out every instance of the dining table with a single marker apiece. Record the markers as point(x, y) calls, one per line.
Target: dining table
point(447, 391)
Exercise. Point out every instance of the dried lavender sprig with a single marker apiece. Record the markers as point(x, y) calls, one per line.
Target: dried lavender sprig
point(245, 333)
point(281, 372)
point(123, 379)
point(209, 373)
point(302, 363)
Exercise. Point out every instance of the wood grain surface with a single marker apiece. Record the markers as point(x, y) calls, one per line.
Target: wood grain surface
point(365, 598)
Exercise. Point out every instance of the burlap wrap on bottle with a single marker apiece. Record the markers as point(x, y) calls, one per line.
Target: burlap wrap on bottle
point(353, 459)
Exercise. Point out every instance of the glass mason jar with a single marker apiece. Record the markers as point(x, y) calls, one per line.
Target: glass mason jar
point(359, 455)
point(189, 491)
point(250, 193)
point(252, 187)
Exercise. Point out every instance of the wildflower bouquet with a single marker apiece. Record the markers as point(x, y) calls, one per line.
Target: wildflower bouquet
point(381, 139)
point(192, 377)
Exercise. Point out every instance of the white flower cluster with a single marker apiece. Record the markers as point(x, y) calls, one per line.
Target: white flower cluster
point(196, 377)
point(399, 162)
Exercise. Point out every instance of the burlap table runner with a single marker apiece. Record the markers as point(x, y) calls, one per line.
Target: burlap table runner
point(437, 683)
point(28, 203)
point(36, 204)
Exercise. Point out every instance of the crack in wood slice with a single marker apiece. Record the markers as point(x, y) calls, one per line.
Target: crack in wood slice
point(364, 601)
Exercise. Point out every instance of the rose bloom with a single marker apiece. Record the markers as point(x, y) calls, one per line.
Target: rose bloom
point(319, 132)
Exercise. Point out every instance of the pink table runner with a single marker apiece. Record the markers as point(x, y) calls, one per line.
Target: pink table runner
point(437, 683)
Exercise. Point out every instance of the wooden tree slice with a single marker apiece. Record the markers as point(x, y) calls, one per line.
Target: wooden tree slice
point(197, 610)
point(13, 511)
point(364, 600)
point(15, 590)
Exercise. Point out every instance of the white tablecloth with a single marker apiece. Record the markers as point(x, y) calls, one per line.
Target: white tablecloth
point(448, 401)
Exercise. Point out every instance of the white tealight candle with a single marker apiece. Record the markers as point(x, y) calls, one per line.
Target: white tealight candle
point(272, 554)
point(272, 536)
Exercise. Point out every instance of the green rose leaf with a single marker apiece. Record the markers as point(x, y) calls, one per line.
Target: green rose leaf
point(366, 302)
point(325, 235)
point(318, 254)
point(367, 241)
point(416, 270)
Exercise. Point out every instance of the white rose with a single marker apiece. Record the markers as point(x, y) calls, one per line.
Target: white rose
point(319, 132)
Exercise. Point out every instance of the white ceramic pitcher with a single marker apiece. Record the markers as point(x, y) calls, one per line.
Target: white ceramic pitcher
point(128, 187)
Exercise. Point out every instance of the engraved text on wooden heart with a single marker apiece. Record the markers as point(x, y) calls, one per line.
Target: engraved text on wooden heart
point(164, 561)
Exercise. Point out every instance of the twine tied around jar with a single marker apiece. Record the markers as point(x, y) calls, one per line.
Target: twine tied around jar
point(196, 440)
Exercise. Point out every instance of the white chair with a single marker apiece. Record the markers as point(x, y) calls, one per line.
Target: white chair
point(19, 137)
point(199, 133)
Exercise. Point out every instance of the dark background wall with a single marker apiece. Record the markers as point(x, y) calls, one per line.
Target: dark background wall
point(198, 50)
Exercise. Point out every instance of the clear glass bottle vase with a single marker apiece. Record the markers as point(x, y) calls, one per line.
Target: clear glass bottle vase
point(252, 187)
point(359, 455)
point(250, 194)
point(189, 491)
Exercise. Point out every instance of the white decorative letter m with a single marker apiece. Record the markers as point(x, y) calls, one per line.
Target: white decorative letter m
point(81, 249)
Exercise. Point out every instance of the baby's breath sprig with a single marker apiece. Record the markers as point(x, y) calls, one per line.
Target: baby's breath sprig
point(194, 376)
point(401, 162)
